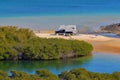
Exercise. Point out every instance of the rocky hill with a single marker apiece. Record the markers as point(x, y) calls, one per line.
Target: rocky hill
point(113, 28)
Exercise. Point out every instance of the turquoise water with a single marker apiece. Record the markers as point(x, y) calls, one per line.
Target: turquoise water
point(49, 14)
point(99, 62)
point(57, 7)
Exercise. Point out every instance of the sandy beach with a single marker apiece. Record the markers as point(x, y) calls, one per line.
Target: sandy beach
point(100, 43)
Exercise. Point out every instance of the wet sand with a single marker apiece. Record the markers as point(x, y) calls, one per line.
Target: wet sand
point(112, 46)
point(100, 43)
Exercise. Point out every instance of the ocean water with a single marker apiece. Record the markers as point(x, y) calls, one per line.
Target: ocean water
point(53, 7)
point(49, 14)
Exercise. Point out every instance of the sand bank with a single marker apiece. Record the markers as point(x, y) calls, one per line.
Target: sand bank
point(100, 43)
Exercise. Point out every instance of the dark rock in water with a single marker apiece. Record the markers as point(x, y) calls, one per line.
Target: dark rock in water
point(113, 28)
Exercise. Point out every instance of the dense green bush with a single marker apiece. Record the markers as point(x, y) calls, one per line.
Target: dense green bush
point(22, 44)
point(74, 74)
point(40, 75)
point(82, 74)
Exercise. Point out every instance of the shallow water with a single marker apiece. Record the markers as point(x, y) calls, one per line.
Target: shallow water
point(99, 62)
point(110, 35)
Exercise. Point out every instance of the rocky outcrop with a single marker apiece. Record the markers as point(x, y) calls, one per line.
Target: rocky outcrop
point(113, 28)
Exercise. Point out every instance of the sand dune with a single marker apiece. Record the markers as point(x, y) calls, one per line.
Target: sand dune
point(100, 43)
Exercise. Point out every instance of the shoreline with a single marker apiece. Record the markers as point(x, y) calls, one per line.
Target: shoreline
point(100, 43)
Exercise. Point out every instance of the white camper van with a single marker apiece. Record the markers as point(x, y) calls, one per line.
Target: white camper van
point(66, 30)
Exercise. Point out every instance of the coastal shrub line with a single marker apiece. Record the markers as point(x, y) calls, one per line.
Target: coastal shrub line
point(23, 44)
point(74, 74)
